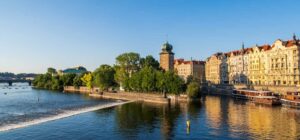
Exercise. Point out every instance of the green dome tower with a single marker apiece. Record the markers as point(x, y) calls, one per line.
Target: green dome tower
point(167, 57)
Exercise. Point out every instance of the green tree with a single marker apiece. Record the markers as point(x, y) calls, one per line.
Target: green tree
point(148, 76)
point(121, 76)
point(126, 65)
point(169, 82)
point(67, 79)
point(51, 70)
point(56, 83)
point(149, 61)
point(87, 80)
point(135, 82)
point(129, 62)
point(77, 81)
point(161, 81)
point(104, 77)
point(193, 90)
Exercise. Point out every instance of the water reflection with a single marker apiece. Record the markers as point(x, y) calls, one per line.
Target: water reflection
point(213, 117)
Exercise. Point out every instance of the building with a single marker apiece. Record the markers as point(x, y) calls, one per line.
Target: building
point(276, 64)
point(183, 68)
point(238, 66)
point(167, 57)
point(283, 61)
point(193, 68)
point(76, 70)
point(216, 69)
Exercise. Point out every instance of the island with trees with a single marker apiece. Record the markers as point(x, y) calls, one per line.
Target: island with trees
point(131, 73)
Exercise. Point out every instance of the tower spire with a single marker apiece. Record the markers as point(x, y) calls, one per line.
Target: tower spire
point(294, 36)
point(243, 48)
point(243, 45)
point(167, 38)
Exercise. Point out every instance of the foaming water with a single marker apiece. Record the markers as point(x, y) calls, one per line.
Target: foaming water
point(64, 114)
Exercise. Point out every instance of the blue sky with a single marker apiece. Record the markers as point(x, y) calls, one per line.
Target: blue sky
point(36, 34)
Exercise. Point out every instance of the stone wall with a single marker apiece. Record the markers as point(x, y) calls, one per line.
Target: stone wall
point(95, 92)
point(80, 89)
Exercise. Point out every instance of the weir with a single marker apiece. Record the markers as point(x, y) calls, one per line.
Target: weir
point(65, 114)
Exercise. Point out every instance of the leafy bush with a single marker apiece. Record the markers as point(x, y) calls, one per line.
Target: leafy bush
point(193, 90)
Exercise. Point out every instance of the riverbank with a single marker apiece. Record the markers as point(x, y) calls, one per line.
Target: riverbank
point(146, 97)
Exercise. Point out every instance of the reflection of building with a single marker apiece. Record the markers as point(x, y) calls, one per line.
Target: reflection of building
point(213, 112)
point(190, 68)
point(278, 64)
point(167, 57)
point(75, 70)
point(216, 69)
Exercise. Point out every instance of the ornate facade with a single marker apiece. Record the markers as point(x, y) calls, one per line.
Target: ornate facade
point(276, 64)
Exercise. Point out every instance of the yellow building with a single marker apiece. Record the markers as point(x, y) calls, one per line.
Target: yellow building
point(276, 64)
point(283, 63)
point(216, 69)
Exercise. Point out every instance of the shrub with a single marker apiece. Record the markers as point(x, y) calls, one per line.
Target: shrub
point(193, 90)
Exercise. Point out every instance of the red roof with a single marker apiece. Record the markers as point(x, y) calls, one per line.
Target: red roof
point(182, 61)
point(264, 47)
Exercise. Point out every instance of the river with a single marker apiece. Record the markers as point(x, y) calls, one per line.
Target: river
point(215, 117)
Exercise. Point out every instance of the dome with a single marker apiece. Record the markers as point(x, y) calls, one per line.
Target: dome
point(167, 47)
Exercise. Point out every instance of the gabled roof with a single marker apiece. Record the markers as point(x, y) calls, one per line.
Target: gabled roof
point(265, 47)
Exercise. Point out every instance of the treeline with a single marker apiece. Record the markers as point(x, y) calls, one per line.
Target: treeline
point(131, 72)
point(57, 82)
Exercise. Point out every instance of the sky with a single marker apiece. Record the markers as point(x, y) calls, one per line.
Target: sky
point(37, 34)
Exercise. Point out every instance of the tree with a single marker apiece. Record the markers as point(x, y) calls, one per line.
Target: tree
point(129, 62)
point(134, 82)
point(56, 83)
point(149, 61)
point(126, 65)
point(169, 82)
point(51, 71)
point(77, 81)
point(104, 77)
point(87, 80)
point(67, 79)
point(148, 83)
point(193, 90)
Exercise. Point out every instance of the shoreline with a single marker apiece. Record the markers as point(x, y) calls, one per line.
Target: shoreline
point(135, 96)
point(66, 114)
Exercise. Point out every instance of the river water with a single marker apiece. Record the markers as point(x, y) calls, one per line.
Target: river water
point(215, 117)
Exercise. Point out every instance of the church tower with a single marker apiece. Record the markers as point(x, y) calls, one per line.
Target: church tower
point(167, 57)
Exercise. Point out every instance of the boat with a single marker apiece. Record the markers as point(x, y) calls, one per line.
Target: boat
point(291, 99)
point(261, 97)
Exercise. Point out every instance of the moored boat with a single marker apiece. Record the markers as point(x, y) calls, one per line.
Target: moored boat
point(262, 97)
point(291, 99)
